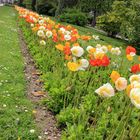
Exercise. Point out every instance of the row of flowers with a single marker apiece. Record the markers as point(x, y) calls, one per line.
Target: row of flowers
point(66, 38)
point(121, 83)
point(67, 41)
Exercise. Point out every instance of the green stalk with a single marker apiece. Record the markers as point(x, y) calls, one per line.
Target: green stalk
point(135, 130)
point(125, 124)
point(122, 119)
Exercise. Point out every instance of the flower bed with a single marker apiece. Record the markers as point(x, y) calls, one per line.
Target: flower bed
point(91, 90)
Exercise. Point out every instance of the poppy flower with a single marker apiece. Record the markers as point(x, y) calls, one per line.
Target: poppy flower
point(68, 57)
point(134, 78)
point(73, 66)
point(85, 38)
point(62, 38)
point(121, 83)
point(74, 31)
point(55, 38)
point(135, 97)
point(73, 39)
point(105, 61)
point(130, 49)
point(90, 49)
point(116, 51)
point(67, 50)
point(135, 68)
point(83, 63)
point(129, 57)
point(77, 51)
point(49, 34)
point(95, 62)
point(106, 90)
point(60, 47)
point(114, 76)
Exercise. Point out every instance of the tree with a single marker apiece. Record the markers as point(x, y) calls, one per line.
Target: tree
point(131, 27)
point(59, 7)
point(97, 7)
point(123, 19)
point(111, 21)
point(33, 5)
point(62, 4)
point(20, 2)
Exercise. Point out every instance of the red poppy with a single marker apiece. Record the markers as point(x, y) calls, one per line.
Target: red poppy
point(95, 62)
point(49, 27)
point(130, 49)
point(55, 38)
point(62, 38)
point(29, 20)
point(74, 31)
point(62, 26)
point(135, 68)
point(73, 38)
point(92, 62)
point(105, 61)
point(67, 50)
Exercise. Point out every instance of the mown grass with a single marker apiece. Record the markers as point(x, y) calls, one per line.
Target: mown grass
point(16, 119)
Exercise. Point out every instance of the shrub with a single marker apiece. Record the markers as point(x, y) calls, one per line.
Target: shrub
point(46, 9)
point(124, 19)
point(111, 21)
point(74, 16)
point(68, 115)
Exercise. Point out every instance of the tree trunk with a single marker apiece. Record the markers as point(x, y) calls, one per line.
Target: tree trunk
point(20, 2)
point(94, 19)
point(33, 5)
point(60, 7)
point(63, 4)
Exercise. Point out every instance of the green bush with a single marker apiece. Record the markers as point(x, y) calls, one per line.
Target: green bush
point(74, 16)
point(68, 115)
point(111, 21)
point(123, 19)
point(46, 9)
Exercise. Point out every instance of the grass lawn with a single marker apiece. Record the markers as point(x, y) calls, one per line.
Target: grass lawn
point(16, 118)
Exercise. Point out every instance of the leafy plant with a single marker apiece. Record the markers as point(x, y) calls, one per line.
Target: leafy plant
point(74, 16)
point(123, 20)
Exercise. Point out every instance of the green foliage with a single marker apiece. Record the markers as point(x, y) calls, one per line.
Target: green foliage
point(111, 21)
point(47, 8)
point(68, 116)
point(74, 16)
point(131, 27)
point(124, 19)
point(100, 6)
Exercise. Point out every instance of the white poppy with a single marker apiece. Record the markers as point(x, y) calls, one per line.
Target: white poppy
point(106, 90)
point(77, 51)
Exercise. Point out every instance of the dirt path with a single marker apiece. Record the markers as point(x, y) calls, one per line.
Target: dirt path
point(45, 119)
